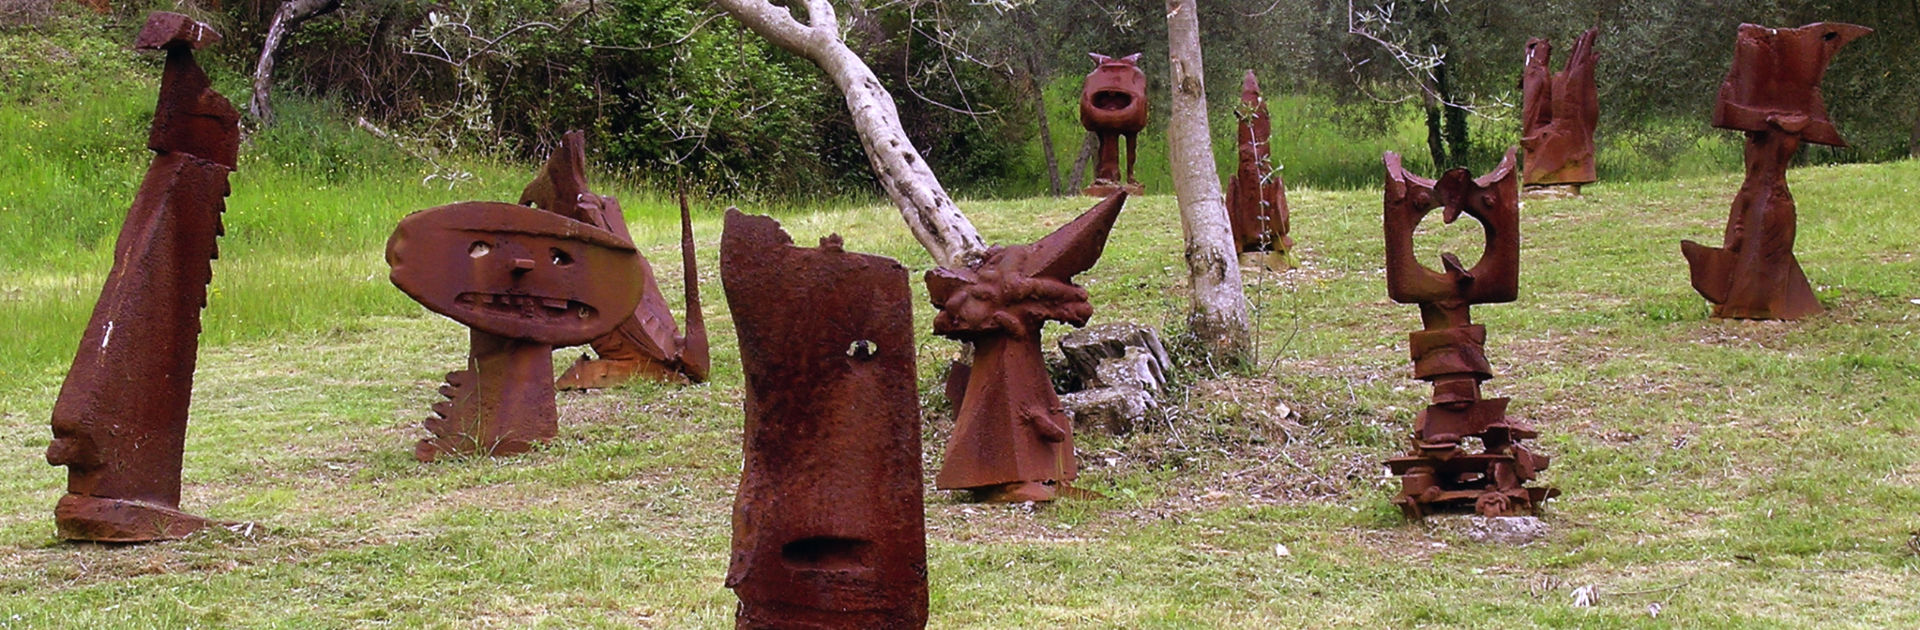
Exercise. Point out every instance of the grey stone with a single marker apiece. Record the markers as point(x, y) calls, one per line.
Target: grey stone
point(1118, 354)
point(1505, 530)
point(1115, 409)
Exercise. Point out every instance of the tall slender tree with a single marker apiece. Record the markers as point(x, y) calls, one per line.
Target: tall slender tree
point(1219, 307)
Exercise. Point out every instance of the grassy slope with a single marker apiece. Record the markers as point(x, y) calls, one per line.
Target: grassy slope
point(1735, 473)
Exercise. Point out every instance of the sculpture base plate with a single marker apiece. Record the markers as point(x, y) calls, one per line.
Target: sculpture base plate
point(1106, 189)
point(99, 519)
point(1549, 192)
point(588, 373)
point(1268, 261)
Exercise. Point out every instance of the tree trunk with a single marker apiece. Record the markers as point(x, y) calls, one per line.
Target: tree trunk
point(1038, 86)
point(1088, 144)
point(1219, 317)
point(1913, 139)
point(930, 213)
point(1454, 117)
point(289, 17)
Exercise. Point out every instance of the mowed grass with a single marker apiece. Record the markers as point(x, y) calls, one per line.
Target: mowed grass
point(1717, 474)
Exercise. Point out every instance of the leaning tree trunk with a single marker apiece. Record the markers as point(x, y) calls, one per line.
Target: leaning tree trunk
point(1219, 316)
point(289, 17)
point(932, 216)
point(1046, 134)
point(1079, 173)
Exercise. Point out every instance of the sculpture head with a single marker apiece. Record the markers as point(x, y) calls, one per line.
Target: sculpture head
point(1774, 84)
point(516, 272)
point(1114, 97)
point(1014, 290)
point(1492, 199)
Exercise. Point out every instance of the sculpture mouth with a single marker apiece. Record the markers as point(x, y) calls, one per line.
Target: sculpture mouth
point(524, 306)
point(1111, 100)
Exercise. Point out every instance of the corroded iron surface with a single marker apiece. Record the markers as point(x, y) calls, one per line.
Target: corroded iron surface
point(649, 343)
point(120, 423)
point(1773, 94)
point(828, 524)
point(1558, 113)
point(1256, 196)
point(1113, 103)
point(525, 280)
point(1012, 439)
point(1438, 473)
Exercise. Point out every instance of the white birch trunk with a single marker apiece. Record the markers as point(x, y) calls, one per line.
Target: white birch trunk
point(285, 20)
point(932, 216)
point(1219, 316)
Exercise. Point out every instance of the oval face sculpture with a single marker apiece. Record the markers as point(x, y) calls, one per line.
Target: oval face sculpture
point(1114, 97)
point(515, 271)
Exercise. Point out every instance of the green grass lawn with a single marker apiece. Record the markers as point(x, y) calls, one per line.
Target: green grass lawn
point(1717, 474)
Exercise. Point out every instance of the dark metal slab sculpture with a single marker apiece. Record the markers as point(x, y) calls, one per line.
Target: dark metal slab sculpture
point(1012, 440)
point(1773, 94)
point(525, 280)
point(1438, 473)
point(828, 525)
point(120, 424)
point(1558, 113)
point(1256, 196)
point(1113, 103)
point(648, 344)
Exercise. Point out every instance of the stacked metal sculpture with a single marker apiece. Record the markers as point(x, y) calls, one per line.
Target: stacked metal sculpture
point(1256, 197)
point(1558, 113)
point(1438, 473)
point(120, 424)
point(525, 280)
point(828, 525)
point(1012, 441)
point(1113, 103)
point(647, 344)
point(1773, 94)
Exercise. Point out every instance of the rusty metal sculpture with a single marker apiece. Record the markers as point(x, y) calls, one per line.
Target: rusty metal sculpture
point(525, 280)
point(120, 423)
point(1558, 113)
point(1256, 196)
point(1113, 103)
point(648, 344)
point(1450, 352)
point(1773, 94)
point(828, 526)
point(1012, 440)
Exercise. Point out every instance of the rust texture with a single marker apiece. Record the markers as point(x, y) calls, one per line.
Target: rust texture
point(1012, 439)
point(828, 524)
point(1113, 103)
point(120, 423)
point(648, 344)
point(1439, 473)
point(1773, 94)
point(1256, 196)
point(1558, 113)
point(525, 280)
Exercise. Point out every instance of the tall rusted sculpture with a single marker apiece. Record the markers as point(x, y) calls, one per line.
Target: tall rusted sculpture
point(1012, 441)
point(1773, 94)
point(1113, 103)
point(1256, 197)
point(1450, 353)
point(525, 280)
point(828, 526)
point(648, 344)
point(120, 424)
point(1558, 113)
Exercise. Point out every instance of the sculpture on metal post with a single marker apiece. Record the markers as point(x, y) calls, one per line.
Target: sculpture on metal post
point(1113, 103)
point(1773, 94)
point(648, 344)
point(1450, 352)
point(120, 423)
point(1012, 440)
point(525, 280)
point(1256, 196)
point(1558, 113)
point(828, 525)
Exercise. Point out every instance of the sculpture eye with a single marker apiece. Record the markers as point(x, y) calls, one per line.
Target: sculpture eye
point(561, 258)
point(478, 249)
